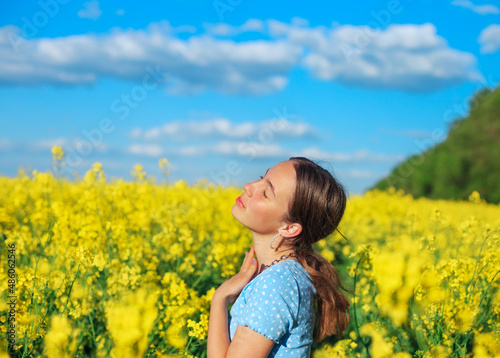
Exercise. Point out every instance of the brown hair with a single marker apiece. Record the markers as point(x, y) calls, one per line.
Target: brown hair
point(318, 206)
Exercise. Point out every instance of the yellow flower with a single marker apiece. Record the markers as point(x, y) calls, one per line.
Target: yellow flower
point(138, 172)
point(380, 347)
point(328, 255)
point(465, 318)
point(43, 268)
point(475, 198)
point(341, 349)
point(99, 261)
point(438, 351)
point(164, 165)
point(57, 153)
point(436, 294)
point(97, 167)
point(430, 263)
point(486, 345)
point(198, 329)
point(130, 321)
point(61, 340)
point(84, 255)
point(175, 338)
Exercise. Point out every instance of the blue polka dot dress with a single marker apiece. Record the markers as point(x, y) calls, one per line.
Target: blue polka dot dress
point(278, 304)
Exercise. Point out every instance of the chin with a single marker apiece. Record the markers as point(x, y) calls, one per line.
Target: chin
point(234, 211)
point(234, 208)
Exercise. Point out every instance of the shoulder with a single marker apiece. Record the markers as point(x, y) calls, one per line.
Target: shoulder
point(291, 270)
point(284, 278)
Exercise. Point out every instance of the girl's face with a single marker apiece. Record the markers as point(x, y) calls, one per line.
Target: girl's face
point(264, 202)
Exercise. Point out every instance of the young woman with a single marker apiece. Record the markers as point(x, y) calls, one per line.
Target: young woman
point(294, 205)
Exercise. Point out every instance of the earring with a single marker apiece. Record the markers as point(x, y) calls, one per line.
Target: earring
point(271, 244)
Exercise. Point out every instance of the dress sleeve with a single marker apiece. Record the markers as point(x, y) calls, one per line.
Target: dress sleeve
point(271, 306)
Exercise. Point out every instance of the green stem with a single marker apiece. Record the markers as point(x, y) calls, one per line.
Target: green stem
point(187, 346)
point(70, 288)
point(486, 312)
point(475, 267)
point(201, 276)
point(51, 225)
point(92, 326)
point(354, 305)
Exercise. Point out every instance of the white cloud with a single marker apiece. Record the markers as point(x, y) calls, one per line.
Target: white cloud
point(190, 150)
point(253, 25)
point(185, 29)
point(400, 57)
point(75, 145)
point(478, 9)
point(403, 57)
point(136, 132)
point(223, 128)
point(489, 39)
point(151, 150)
point(223, 29)
point(222, 148)
point(5, 144)
point(361, 174)
point(47, 144)
point(91, 10)
point(358, 156)
point(251, 150)
point(200, 62)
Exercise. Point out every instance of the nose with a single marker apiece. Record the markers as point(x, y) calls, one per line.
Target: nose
point(248, 189)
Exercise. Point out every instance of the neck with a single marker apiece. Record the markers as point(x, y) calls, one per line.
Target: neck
point(266, 255)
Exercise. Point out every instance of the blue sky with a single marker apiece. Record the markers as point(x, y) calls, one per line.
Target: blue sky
point(225, 89)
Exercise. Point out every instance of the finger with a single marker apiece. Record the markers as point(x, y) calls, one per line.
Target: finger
point(246, 255)
point(253, 264)
point(248, 260)
point(252, 269)
point(252, 253)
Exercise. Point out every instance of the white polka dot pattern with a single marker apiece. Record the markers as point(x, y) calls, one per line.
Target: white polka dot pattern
point(278, 304)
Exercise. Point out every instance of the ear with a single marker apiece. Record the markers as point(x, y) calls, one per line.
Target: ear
point(291, 230)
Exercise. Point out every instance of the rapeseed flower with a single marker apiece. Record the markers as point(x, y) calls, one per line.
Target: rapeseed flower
point(61, 339)
point(426, 271)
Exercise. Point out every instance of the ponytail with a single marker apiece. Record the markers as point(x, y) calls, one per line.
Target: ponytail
point(318, 206)
point(333, 306)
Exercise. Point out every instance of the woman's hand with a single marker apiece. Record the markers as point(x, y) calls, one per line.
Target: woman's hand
point(230, 289)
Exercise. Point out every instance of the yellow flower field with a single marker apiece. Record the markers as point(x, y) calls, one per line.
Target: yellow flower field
point(127, 269)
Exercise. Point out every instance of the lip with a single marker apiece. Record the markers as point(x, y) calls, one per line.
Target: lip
point(239, 202)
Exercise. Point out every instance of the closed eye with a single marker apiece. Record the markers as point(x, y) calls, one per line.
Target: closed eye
point(265, 196)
